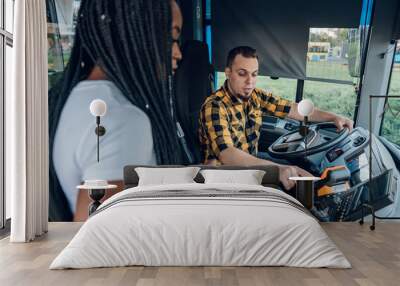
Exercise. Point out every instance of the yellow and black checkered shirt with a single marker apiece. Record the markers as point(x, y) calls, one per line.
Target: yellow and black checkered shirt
point(226, 120)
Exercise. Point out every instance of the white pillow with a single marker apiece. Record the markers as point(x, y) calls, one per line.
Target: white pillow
point(248, 177)
point(165, 176)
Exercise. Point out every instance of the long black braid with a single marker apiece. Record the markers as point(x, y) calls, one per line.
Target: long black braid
point(131, 42)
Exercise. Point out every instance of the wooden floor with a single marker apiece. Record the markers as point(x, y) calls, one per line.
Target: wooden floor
point(375, 257)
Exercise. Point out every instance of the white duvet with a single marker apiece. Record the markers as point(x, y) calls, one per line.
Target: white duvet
point(185, 231)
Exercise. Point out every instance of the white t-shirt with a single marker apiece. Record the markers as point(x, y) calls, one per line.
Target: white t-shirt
point(128, 139)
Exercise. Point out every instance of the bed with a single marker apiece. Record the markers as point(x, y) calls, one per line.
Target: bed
point(197, 224)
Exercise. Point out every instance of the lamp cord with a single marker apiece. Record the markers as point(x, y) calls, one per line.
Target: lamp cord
point(305, 137)
point(98, 137)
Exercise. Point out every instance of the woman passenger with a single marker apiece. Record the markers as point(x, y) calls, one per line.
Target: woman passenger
point(124, 53)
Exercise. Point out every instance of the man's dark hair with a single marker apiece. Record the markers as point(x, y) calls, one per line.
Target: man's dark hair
point(131, 41)
point(245, 51)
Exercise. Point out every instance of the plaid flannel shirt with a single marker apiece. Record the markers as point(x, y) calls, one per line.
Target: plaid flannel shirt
point(226, 120)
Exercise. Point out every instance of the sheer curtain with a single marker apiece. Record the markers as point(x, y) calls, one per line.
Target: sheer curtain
point(27, 123)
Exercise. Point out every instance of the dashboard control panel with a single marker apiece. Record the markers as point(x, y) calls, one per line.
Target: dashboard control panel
point(351, 147)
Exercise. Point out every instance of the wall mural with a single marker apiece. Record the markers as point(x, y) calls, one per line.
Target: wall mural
point(126, 90)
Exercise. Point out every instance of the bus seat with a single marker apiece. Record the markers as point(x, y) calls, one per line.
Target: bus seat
point(393, 150)
point(193, 83)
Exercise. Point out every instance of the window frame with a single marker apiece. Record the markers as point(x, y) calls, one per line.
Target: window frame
point(6, 39)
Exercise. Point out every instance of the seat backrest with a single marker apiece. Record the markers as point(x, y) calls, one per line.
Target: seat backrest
point(193, 83)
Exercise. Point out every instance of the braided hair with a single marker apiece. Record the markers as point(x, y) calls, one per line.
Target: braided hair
point(131, 41)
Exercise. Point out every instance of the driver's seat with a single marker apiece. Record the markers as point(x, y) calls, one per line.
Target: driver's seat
point(193, 84)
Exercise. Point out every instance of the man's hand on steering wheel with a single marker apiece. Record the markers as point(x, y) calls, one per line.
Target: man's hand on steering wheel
point(343, 122)
point(287, 171)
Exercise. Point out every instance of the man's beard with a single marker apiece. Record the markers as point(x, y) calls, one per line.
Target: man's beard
point(244, 96)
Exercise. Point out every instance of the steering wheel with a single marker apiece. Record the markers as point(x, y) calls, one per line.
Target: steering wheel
point(320, 137)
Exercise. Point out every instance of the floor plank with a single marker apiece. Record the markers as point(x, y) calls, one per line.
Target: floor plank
point(374, 255)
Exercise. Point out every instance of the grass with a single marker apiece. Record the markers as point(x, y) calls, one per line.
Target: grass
point(328, 70)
